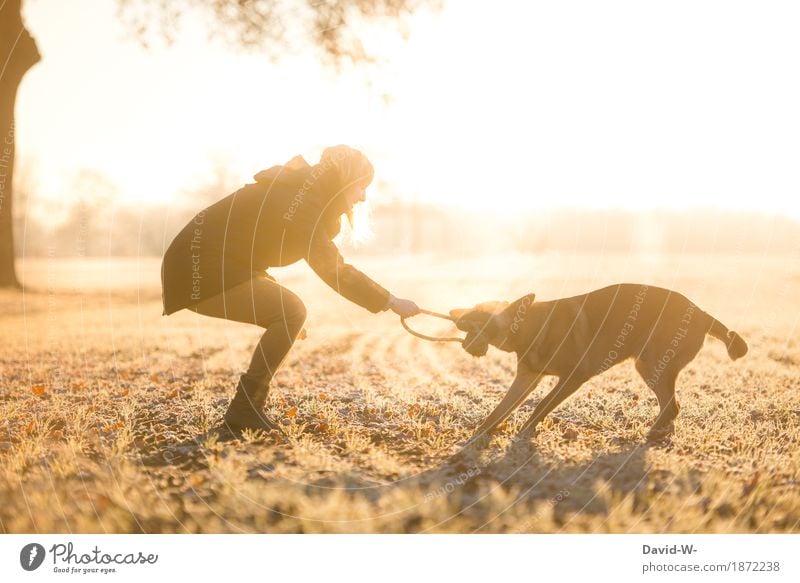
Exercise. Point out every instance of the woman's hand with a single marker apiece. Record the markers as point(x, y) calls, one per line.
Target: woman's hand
point(403, 308)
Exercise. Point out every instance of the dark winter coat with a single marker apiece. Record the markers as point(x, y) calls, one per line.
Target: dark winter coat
point(288, 214)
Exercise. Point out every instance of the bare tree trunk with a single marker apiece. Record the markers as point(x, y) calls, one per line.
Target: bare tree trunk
point(18, 53)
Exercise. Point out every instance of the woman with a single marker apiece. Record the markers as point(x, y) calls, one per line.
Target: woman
point(216, 264)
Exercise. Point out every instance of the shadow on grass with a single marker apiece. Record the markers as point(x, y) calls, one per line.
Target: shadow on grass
point(189, 454)
point(537, 485)
point(478, 488)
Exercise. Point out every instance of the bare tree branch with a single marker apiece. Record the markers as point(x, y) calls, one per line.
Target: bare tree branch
point(275, 27)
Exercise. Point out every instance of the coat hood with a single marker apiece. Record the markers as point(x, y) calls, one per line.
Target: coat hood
point(299, 175)
point(290, 169)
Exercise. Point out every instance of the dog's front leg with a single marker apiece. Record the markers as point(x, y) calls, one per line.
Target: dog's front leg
point(525, 381)
point(565, 386)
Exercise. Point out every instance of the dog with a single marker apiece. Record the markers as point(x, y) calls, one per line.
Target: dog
point(580, 337)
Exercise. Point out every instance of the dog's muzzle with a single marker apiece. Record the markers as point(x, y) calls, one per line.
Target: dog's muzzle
point(476, 343)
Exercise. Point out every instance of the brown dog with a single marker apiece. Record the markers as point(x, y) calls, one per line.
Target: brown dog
point(579, 337)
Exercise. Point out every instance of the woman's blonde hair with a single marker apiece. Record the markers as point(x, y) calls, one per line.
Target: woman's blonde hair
point(350, 166)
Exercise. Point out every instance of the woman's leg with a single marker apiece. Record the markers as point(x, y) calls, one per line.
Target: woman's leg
point(263, 302)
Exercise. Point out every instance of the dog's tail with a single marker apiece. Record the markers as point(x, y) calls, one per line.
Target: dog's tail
point(737, 347)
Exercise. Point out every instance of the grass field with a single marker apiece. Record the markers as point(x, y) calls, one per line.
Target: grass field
point(108, 410)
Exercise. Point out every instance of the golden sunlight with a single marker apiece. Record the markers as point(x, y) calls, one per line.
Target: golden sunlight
point(532, 268)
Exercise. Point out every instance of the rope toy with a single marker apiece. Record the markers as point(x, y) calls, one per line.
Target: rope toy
point(431, 338)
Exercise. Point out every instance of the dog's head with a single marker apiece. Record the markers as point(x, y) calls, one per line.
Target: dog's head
point(489, 323)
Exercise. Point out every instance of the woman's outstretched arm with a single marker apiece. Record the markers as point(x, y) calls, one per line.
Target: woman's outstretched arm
point(326, 261)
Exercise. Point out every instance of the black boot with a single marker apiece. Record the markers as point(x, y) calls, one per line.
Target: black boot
point(246, 410)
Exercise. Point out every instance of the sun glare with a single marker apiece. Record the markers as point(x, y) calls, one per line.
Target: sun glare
point(550, 108)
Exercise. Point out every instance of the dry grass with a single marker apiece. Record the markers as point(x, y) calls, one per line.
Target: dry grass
point(108, 412)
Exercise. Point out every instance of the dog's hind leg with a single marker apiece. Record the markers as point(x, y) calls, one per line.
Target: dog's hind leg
point(525, 381)
point(659, 365)
point(564, 388)
point(662, 383)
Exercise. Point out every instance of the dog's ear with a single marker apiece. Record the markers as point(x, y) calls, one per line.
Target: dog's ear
point(513, 313)
point(519, 306)
point(526, 300)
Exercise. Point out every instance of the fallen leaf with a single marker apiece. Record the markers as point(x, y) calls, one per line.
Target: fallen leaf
point(37, 390)
point(292, 412)
point(570, 434)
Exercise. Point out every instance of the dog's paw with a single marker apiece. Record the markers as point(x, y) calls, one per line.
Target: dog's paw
point(661, 433)
point(466, 456)
point(479, 441)
point(524, 436)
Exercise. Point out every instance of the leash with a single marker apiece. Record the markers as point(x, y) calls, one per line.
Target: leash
point(431, 338)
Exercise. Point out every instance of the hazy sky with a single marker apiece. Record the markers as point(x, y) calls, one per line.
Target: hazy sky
point(500, 105)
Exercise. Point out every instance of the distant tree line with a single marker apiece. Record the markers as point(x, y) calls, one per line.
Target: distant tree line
point(96, 226)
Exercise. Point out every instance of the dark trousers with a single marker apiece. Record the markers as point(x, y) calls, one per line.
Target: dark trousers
point(264, 302)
